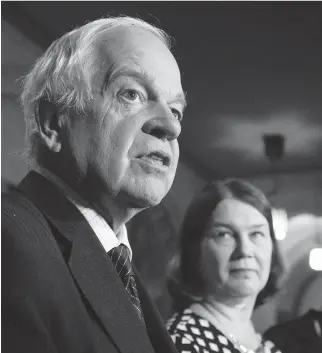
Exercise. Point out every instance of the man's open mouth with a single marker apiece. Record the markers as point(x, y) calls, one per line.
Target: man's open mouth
point(157, 158)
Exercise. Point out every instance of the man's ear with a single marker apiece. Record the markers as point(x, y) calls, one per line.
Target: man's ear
point(50, 123)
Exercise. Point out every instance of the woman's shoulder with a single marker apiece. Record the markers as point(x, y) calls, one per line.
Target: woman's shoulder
point(192, 333)
point(184, 319)
point(180, 332)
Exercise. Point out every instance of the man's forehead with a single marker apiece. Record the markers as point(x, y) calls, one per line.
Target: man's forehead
point(123, 37)
point(137, 53)
point(131, 68)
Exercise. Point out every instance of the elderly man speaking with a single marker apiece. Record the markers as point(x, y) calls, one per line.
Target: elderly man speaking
point(103, 107)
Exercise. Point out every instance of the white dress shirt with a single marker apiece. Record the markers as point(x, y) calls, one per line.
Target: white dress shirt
point(101, 228)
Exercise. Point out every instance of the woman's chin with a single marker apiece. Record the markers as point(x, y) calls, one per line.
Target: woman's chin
point(245, 287)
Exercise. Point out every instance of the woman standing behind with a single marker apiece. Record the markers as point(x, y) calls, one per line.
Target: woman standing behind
point(227, 264)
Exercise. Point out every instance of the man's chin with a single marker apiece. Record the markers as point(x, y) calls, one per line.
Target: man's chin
point(145, 201)
point(146, 198)
point(145, 192)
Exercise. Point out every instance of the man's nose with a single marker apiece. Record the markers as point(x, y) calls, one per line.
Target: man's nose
point(162, 124)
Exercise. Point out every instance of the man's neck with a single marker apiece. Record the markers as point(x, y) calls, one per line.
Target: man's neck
point(118, 215)
point(115, 215)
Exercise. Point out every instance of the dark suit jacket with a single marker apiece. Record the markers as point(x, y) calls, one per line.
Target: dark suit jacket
point(297, 335)
point(60, 290)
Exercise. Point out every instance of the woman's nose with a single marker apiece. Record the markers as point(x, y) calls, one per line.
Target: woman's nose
point(244, 246)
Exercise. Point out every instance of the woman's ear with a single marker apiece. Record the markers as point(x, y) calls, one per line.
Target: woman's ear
point(50, 123)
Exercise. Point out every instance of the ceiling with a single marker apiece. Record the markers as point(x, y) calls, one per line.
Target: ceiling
point(249, 68)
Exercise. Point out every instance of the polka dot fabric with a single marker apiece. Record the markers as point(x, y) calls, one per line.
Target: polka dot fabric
point(193, 334)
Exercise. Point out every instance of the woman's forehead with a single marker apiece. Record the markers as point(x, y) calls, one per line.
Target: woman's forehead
point(233, 211)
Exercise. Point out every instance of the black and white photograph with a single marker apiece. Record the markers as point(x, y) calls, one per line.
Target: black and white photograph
point(161, 176)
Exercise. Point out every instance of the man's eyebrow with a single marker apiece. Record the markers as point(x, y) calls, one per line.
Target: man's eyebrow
point(112, 74)
point(182, 99)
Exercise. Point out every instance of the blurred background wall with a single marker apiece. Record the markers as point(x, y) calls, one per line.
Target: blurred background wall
point(18, 55)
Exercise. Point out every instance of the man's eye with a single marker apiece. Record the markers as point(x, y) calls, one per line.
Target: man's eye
point(177, 114)
point(131, 95)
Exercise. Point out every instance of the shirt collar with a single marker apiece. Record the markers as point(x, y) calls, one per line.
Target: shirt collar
point(101, 228)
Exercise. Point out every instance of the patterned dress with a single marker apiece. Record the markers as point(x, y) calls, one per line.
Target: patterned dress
point(193, 334)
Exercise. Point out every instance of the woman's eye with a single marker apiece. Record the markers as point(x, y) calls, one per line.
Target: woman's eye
point(176, 114)
point(223, 234)
point(257, 234)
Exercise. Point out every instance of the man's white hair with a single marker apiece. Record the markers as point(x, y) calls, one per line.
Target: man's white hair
point(63, 74)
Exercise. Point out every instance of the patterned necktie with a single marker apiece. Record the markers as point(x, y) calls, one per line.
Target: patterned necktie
point(120, 257)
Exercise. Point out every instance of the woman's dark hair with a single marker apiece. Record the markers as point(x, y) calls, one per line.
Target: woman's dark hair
point(186, 280)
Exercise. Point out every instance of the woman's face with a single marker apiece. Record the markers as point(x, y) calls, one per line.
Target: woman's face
point(236, 251)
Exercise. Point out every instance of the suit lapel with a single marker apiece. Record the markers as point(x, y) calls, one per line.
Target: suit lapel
point(90, 266)
point(157, 331)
